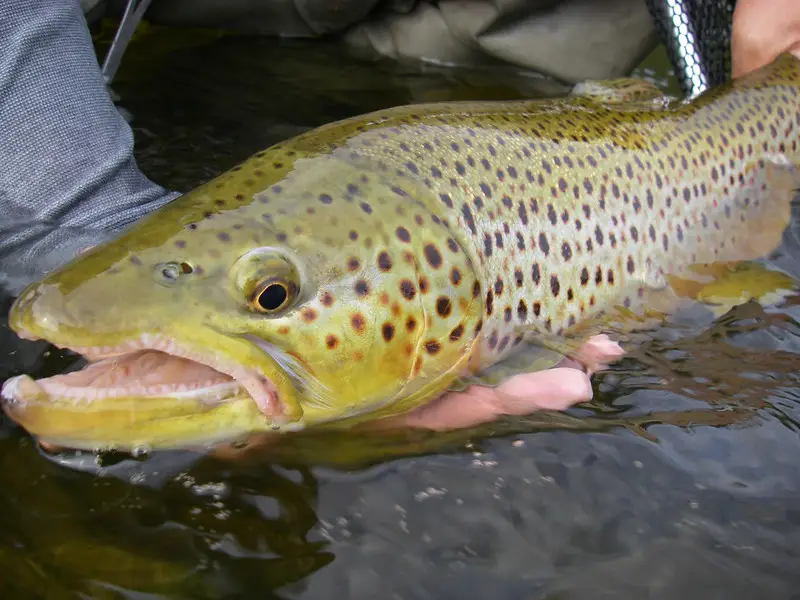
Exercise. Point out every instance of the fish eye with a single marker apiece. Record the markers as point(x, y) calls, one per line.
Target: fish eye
point(271, 296)
point(266, 280)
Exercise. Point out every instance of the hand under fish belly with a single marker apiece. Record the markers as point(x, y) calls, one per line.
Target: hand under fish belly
point(558, 388)
point(380, 269)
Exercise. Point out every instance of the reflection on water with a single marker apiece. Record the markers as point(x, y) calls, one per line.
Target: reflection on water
point(679, 480)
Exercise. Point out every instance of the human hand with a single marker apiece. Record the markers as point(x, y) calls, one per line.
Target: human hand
point(558, 388)
point(762, 30)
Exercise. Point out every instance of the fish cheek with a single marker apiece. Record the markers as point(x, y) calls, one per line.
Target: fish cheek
point(357, 341)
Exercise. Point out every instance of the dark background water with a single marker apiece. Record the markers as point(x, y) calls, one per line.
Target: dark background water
point(680, 480)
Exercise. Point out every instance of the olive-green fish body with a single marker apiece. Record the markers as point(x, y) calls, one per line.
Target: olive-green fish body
point(363, 268)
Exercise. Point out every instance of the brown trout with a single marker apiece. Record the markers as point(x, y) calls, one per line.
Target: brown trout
point(362, 269)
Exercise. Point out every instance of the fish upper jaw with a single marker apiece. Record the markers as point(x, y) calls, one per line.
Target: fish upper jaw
point(273, 394)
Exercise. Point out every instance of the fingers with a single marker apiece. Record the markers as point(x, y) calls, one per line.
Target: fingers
point(554, 389)
point(762, 30)
point(598, 352)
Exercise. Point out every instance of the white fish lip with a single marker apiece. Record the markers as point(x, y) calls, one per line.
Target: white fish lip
point(261, 390)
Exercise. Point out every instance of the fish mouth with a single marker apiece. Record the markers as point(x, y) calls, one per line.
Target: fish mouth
point(150, 367)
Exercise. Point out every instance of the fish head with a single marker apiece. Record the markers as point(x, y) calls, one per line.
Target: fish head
point(321, 299)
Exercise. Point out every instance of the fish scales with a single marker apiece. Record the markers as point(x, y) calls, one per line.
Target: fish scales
point(421, 243)
point(557, 220)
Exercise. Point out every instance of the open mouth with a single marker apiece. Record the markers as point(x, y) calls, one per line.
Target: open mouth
point(150, 367)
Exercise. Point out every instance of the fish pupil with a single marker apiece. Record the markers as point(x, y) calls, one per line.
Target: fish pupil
point(273, 296)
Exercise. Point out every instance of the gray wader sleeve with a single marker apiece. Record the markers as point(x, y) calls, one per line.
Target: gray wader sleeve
point(68, 178)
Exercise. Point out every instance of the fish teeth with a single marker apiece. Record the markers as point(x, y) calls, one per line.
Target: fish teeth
point(148, 341)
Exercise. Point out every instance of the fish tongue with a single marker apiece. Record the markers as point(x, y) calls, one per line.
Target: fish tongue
point(265, 396)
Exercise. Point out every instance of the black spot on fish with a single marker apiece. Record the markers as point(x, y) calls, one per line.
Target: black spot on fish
point(493, 340)
point(443, 306)
point(487, 245)
point(555, 285)
point(544, 246)
point(433, 256)
point(432, 346)
point(523, 214)
point(407, 289)
point(384, 262)
point(467, 214)
point(518, 277)
point(498, 287)
point(551, 214)
point(598, 235)
point(361, 288)
point(522, 311)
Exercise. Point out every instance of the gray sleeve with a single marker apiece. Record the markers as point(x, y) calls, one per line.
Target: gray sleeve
point(68, 177)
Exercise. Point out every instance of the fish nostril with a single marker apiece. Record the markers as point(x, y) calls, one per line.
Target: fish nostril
point(169, 273)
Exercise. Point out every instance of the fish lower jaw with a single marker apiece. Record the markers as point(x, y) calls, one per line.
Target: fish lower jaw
point(23, 388)
point(200, 376)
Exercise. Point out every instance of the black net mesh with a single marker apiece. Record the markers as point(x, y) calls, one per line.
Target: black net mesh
point(697, 36)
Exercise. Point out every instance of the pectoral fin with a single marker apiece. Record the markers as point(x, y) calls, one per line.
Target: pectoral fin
point(528, 358)
point(745, 282)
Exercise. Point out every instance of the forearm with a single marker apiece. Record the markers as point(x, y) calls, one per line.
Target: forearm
point(68, 178)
